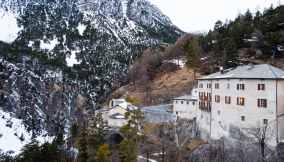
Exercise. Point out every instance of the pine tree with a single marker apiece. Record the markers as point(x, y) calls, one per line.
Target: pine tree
point(193, 51)
point(97, 131)
point(229, 54)
point(128, 148)
point(103, 153)
point(30, 152)
point(82, 146)
point(50, 152)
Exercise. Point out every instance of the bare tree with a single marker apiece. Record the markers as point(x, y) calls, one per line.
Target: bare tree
point(262, 134)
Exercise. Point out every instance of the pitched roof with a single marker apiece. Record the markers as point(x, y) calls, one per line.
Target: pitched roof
point(117, 116)
point(263, 71)
point(186, 97)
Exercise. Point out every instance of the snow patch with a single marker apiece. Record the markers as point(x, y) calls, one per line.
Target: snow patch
point(30, 44)
point(71, 61)
point(143, 158)
point(48, 45)
point(131, 24)
point(81, 28)
point(124, 7)
point(180, 62)
point(9, 27)
point(11, 130)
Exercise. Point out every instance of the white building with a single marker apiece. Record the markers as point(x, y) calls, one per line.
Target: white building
point(245, 97)
point(185, 107)
point(115, 113)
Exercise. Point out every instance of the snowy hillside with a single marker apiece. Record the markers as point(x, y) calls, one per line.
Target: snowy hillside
point(60, 59)
point(9, 28)
point(13, 134)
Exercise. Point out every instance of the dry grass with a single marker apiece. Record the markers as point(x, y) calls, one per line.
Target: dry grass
point(194, 144)
point(161, 90)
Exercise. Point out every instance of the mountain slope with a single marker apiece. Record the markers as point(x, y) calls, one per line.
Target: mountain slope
point(66, 56)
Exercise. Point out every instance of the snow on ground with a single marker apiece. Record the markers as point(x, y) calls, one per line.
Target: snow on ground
point(142, 159)
point(124, 7)
point(8, 24)
point(48, 45)
point(81, 28)
point(71, 61)
point(11, 129)
point(179, 62)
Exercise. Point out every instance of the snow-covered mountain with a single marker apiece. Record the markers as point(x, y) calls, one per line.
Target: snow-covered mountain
point(59, 59)
point(14, 134)
point(124, 19)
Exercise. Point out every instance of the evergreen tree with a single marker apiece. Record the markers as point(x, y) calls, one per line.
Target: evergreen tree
point(193, 52)
point(103, 153)
point(30, 152)
point(134, 118)
point(230, 53)
point(96, 135)
point(74, 130)
point(128, 148)
point(82, 146)
point(49, 21)
point(50, 152)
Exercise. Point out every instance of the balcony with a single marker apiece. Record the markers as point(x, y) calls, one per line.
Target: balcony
point(205, 106)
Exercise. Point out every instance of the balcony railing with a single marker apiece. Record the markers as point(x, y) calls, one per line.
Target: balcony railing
point(205, 106)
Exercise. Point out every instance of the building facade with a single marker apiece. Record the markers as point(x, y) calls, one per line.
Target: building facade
point(115, 113)
point(185, 107)
point(244, 98)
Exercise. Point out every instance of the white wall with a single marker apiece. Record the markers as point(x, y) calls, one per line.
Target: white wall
point(203, 122)
point(226, 115)
point(204, 117)
point(281, 128)
point(280, 110)
point(114, 122)
point(186, 109)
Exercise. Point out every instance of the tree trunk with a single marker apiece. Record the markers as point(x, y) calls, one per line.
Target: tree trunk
point(262, 147)
point(194, 74)
point(163, 152)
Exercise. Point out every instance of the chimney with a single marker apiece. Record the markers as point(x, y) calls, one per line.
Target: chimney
point(221, 69)
point(251, 66)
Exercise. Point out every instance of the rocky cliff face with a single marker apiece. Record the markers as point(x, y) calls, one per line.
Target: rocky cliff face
point(69, 55)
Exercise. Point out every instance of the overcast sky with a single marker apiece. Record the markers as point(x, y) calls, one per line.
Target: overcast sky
point(201, 15)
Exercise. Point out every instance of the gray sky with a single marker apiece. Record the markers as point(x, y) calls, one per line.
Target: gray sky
point(201, 15)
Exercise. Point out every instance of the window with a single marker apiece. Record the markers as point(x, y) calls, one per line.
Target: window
point(208, 97)
point(209, 85)
point(262, 103)
point(265, 121)
point(261, 87)
point(219, 112)
point(202, 96)
point(176, 112)
point(193, 103)
point(217, 86)
point(227, 100)
point(241, 101)
point(181, 102)
point(240, 86)
point(187, 102)
point(217, 99)
point(228, 86)
point(243, 118)
point(200, 85)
